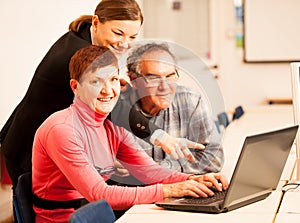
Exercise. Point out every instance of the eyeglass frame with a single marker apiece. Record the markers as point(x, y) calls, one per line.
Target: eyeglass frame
point(161, 78)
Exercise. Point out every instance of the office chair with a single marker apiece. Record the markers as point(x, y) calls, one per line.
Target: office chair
point(23, 203)
point(94, 212)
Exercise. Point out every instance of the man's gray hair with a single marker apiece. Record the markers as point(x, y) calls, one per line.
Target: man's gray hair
point(134, 59)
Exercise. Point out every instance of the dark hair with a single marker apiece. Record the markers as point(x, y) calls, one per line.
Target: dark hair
point(108, 10)
point(89, 59)
point(134, 59)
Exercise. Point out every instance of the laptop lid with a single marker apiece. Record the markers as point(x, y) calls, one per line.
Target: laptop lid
point(256, 174)
point(260, 165)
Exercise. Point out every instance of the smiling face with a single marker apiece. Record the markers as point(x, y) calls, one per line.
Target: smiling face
point(158, 85)
point(99, 89)
point(115, 34)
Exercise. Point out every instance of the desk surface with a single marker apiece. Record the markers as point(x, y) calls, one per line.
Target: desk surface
point(262, 211)
point(254, 121)
point(290, 208)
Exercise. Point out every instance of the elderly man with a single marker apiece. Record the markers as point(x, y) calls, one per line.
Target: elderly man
point(176, 114)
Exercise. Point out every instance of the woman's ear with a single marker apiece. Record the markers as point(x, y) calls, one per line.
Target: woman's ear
point(74, 84)
point(95, 21)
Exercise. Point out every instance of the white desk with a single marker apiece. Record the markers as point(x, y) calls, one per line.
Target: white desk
point(262, 211)
point(252, 122)
point(290, 208)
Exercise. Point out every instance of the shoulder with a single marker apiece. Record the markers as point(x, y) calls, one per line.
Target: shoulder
point(69, 43)
point(182, 90)
point(114, 130)
point(184, 94)
point(58, 121)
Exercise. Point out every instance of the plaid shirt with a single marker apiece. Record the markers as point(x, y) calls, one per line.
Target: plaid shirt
point(187, 117)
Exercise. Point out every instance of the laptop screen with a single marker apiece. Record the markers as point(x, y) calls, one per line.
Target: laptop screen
point(260, 164)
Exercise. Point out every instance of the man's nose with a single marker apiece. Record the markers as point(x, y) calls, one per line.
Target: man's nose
point(163, 83)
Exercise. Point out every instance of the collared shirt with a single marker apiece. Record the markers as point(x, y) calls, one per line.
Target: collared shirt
point(187, 117)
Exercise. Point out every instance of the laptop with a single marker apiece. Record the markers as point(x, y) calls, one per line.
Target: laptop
point(256, 175)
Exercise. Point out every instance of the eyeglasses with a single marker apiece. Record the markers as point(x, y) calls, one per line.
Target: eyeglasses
point(106, 171)
point(154, 80)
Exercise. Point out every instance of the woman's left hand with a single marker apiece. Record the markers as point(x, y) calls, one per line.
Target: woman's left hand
point(217, 180)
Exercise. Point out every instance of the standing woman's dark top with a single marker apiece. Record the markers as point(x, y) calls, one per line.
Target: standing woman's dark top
point(48, 92)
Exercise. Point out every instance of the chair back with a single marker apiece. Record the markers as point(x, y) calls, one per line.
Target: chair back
point(23, 202)
point(94, 212)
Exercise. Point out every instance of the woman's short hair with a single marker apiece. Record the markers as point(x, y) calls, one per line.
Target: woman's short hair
point(89, 59)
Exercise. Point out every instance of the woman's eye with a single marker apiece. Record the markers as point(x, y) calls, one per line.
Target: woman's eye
point(115, 79)
point(119, 34)
point(95, 82)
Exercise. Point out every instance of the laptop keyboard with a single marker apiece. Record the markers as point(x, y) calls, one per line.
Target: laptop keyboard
point(219, 196)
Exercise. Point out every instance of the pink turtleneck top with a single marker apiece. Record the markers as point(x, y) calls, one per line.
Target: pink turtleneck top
point(70, 143)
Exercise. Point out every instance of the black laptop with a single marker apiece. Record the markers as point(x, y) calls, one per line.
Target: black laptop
point(256, 175)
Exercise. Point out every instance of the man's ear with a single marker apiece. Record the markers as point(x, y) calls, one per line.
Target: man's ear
point(134, 84)
point(132, 80)
point(74, 83)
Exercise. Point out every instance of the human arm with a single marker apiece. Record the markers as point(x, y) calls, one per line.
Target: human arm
point(176, 147)
point(62, 169)
point(216, 180)
point(70, 175)
point(144, 128)
point(196, 186)
point(174, 184)
point(189, 117)
point(128, 115)
point(64, 172)
point(186, 188)
point(201, 128)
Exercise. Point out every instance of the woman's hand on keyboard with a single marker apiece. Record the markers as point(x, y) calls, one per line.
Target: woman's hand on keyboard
point(217, 180)
point(186, 188)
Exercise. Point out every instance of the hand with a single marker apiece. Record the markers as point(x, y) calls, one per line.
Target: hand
point(120, 170)
point(176, 147)
point(212, 179)
point(186, 188)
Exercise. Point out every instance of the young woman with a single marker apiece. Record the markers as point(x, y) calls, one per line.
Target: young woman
point(75, 149)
